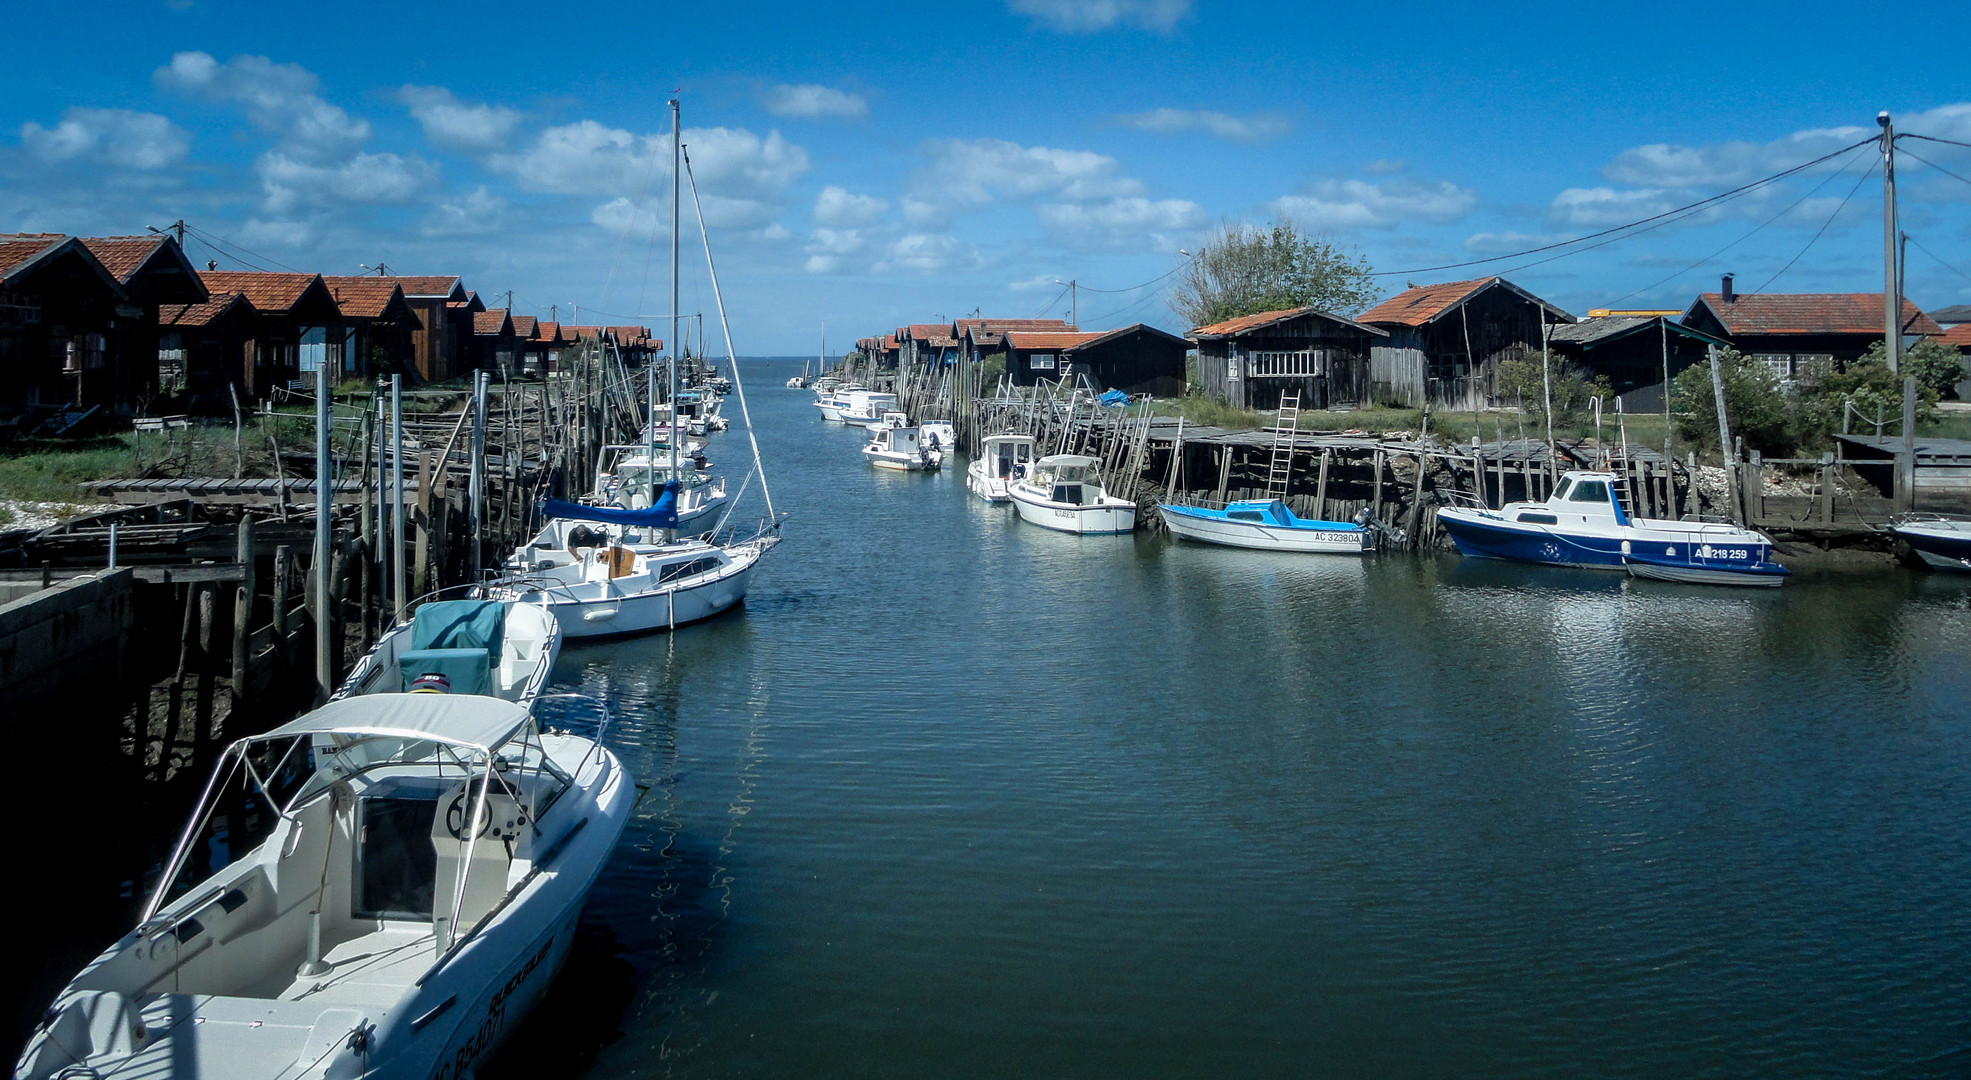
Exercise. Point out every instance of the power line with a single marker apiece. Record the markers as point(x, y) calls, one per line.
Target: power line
point(1049, 305)
point(1934, 165)
point(1670, 215)
point(1818, 232)
point(1933, 138)
point(1933, 255)
point(220, 244)
point(1831, 177)
point(1145, 285)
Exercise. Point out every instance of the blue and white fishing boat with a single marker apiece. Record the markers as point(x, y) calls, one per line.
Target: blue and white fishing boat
point(1942, 543)
point(1583, 524)
point(1267, 525)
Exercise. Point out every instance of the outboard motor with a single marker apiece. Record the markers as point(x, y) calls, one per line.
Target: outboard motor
point(1366, 518)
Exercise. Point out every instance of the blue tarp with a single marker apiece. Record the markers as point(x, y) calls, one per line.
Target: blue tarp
point(1114, 399)
point(662, 516)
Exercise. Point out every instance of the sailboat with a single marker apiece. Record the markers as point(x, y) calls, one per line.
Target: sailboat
point(800, 382)
point(616, 570)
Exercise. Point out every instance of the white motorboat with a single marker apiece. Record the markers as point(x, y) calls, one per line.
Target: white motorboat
point(505, 650)
point(1064, 491)
point(1002, 459)
point(898, 448)
point(611, 590)
point(891, 419)
point(864, 406)
point(382, 888)
point(832, 399)
point(1267, 525)
point(939, 435)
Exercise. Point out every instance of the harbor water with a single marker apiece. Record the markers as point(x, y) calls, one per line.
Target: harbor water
point(955, 796)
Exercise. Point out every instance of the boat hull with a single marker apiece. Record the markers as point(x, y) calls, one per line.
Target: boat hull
point(883, 459)
point(1207, 527)
point(1941, 545)
point(643, 613)
point(1686, 574)
point(1091, 519)
point(1480, 537)
point(982, 483)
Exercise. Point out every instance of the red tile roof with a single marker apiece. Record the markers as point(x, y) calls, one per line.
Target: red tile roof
point(489, 323)
point(123, 256)
point(630, 335)
point(270, 292)
point(1959, 335)
point(202, 314)
point(550, 332)
point(18, 249)
point(429, 285)
point(1245, 323)
point(1419, 305)
point(525, 326)
point(366, 297)
point(1033, 339)
point(1809, 313)
point(583, 333)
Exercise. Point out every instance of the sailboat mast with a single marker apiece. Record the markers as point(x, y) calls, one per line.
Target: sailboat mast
point(677, 151)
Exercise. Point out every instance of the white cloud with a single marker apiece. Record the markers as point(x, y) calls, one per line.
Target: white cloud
point(1256, 128)
point(278, 98)
point(258, 232)
point(927, 253)
point(1122, 217)
point(1085, 16)
point(1385, 167)
point(292, 185)
point(1500, 243)
point(455, 125)
point(1729, 164)
point(117, 137)
point(839, 207)
point(811, 100)
point(1335, 204)
point(829, 250)
point(741, 176)
point(478, 212)
point(979, 170)
point(1603, 206)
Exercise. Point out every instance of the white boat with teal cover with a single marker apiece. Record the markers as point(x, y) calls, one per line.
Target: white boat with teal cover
point(1265, 525)
point(505, 650)
point(383, 888)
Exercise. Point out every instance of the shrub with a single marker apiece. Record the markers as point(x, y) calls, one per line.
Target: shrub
point(1755, 403)
point(1523, 381)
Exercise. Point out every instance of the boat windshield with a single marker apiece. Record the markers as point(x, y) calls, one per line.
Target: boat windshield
point(1589, 491)
point(1561, 491)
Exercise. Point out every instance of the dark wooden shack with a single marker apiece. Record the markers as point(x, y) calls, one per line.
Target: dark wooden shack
point(1800, 336)
point(374, 337)
point(1249, 361)
point(296, 313)
point(1446, 341)
point(153, 272)
point(58, 305)
point(211, 346)
point(1136, 359)
point(1636, 352)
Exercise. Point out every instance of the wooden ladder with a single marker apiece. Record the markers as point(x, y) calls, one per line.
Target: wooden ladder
point(1284, 432)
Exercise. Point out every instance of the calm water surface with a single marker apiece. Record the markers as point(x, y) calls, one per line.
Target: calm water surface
point(956, 796)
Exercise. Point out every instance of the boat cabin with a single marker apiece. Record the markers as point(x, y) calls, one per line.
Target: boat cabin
point(1007, 457)
point(897, 440)
point(1579, 498)
point(1068, 478)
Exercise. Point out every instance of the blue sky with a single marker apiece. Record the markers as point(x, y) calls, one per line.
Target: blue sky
point(870, 164)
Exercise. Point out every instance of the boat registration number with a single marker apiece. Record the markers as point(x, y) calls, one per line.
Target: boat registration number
point(1729, 554)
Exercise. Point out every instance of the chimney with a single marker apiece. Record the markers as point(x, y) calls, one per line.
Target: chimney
point(1725, 288)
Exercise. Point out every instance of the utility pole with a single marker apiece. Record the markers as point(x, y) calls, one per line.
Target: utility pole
point(1074, 302)
point(324, 494)
point(554, 313)
point(1892, 286)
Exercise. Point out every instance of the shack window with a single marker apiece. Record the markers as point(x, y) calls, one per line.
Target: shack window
point(1589, 491)
point(1285, 364)
point(1041, 362)
point(1780, 364)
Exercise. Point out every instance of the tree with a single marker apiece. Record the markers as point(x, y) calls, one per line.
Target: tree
point(1938, 367)
point(1527, 383)
point(1244, 269)
point(1755, 403)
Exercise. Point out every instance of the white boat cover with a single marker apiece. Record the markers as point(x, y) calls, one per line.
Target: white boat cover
point(485, 723)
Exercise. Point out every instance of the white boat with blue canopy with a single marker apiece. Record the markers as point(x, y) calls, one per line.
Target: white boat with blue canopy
point(596, 586)
point(1583, 524)
point(503, 650)
point(383, 888)
point(1266, 525)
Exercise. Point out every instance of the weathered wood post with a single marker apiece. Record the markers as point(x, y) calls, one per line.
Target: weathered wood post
point(1321, 485)
point(1724, 436)
point(1826, 508)
point(243, 616)
point(1905, 485)
point(324, 482)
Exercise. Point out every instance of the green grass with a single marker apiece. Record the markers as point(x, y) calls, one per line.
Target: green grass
point(1456, 427)
point(48, 470)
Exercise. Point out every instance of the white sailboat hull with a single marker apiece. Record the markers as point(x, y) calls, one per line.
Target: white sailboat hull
point(600, 609)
